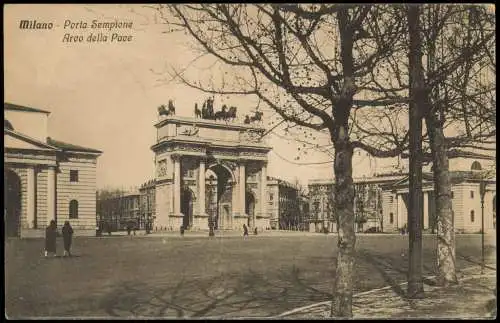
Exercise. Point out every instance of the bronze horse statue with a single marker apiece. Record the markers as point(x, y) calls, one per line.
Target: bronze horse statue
point(197, 112)
point(256, 117)
point(221, 115)
point(164, 111)
point(231, 114)
point(207, 111)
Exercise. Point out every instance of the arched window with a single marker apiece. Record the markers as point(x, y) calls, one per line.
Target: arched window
point(472, 216)
point(475, 166)
point(73, 209)
point(391, 217)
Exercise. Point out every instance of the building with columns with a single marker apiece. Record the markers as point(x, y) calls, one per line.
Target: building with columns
point(45, 179)
point(382, 200)
point(207, 168)
point(467, 202)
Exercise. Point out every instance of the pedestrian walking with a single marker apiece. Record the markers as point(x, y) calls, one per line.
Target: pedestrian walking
point(51, 238)
point(245, 231)
point(255, 231)
point(182, 230)
point(67, 233)
point(211, 226)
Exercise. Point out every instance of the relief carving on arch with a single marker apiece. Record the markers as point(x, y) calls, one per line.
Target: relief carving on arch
point(250, 136)
point(232, 165)
point(161, 169)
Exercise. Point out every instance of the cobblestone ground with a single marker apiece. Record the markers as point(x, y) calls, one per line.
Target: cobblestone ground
point(473, 297)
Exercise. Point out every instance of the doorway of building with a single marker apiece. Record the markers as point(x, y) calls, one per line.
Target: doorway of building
point(250, 208)
point(12, 199)
point(187, 208)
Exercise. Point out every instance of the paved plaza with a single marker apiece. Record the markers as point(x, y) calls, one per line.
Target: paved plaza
point(196, 276)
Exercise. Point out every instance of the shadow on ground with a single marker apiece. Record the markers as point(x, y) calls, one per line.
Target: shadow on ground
point(220, 296)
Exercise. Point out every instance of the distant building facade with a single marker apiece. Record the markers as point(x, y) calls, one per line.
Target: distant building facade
point(147, 208)
point(288, 208)
point(381, 202)
point(118, 212)
point(45, 179)
point(367, 203)
point(287, 205)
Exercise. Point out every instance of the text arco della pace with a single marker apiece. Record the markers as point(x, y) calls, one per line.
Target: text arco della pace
point(95, 31)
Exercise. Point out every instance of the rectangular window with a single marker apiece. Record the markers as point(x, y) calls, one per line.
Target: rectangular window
point(73, 175)
point(452, 195)
point(391, 199)
point(391, 217)
point(471, 194)
point(271, 197)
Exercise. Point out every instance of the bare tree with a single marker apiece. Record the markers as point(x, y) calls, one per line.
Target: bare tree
point(304, 62)
point(454, 40)
point(458, 44)
point(418, 102)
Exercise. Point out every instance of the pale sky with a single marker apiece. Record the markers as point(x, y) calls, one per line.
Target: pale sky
point(105, 95)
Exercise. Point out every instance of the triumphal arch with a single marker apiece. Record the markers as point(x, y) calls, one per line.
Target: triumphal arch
point(210, 171)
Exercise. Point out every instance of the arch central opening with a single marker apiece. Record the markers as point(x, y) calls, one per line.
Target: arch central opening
point(12, 198)
point(187, 208)
point(250, 208)
point(219, 187)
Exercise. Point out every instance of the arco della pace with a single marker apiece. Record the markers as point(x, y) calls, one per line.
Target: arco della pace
point(210, 171)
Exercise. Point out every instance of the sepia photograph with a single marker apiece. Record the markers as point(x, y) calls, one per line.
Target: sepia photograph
point(250, 161)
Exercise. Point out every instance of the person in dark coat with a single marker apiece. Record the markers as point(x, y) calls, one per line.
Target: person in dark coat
point(245, 230)
point(67, 233)
point(50, 238)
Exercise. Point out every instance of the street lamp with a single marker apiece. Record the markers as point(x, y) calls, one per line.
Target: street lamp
point(482, 191)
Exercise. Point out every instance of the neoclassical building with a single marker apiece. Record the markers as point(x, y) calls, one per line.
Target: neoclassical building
point(45, 179)
point(383, 201)
point(210, 169)
point(469, 189)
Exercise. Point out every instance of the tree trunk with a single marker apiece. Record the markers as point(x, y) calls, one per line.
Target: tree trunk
point(344, 203)
point(442, 188)
point(344, 186)
point(417, 105)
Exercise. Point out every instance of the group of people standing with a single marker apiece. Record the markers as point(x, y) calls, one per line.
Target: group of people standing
point(51, 234)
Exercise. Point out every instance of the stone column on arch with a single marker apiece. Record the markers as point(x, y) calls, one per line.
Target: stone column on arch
point(242, 188)
point(235, 200)
point(263, 190)
point(31, 196)
point(201, 188)
point(177, 184)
